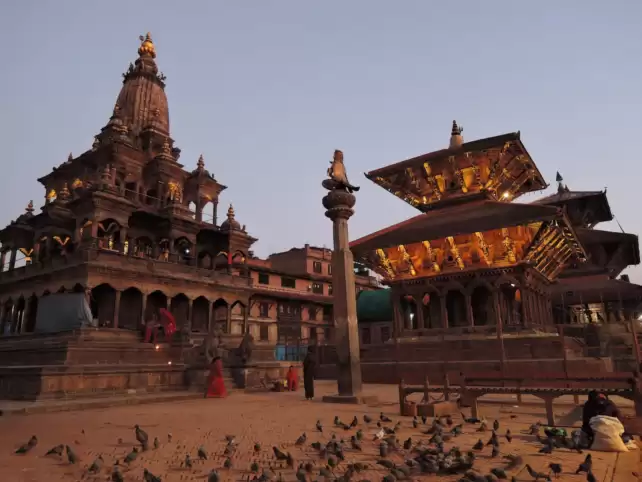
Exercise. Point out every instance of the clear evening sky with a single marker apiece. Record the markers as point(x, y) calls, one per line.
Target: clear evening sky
point(266, 90)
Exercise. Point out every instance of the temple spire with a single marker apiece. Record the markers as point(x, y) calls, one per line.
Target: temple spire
point(200, 165)
point(29, 209)
point(456, 139)
point(560, 183)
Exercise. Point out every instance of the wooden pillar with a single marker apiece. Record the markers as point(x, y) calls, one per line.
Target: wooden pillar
point(215, 212)
point(116, 308)
point(246, 315)
point(143, 310)
point(500, 333)
point(397, 321)
point(228, 325)
point(470, 319)
point(443, 311)
point(12, 259)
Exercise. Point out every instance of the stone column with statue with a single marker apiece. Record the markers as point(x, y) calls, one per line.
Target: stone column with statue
point(339, 203)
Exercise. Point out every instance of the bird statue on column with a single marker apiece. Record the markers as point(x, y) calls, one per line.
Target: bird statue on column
point(337, 173)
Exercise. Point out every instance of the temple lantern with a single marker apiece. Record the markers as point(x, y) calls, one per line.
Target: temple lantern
point(426, 299)
point(518, 296)
point(408, 298)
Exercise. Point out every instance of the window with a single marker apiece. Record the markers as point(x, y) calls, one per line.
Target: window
point(317, 267)
point(329, 269)
point(385, 333)
point(288, 283)
point(264, 332)
point(327, 313)
point(317, 288)
point(264, 278)
point(312, 312)
point(264, 310)
point(329, 290)
point(365, 336)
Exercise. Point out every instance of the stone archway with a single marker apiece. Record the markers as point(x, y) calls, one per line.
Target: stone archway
point(155, 301)
point(237, 311)
point(7, 313)
point(109, 234)
point(18, 316)
point(130, 313)
point(205, 260)
point(481, 300)
point(102, 303)
point(456, 308)
point(409, 315)
point(184, 250)
point(220, 315)
point(179, 307)
point(200, 315)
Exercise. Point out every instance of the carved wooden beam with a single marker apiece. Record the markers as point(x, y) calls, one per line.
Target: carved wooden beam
point(406, 257)
point(430, 255)
point(484, 248)
point(455, 252)
point(385, 263)
point(432, 182)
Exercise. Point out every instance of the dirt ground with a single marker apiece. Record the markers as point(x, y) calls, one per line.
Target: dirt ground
point(265, 418)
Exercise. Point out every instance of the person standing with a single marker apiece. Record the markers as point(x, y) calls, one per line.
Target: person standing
point(215, 383)
point(309, 372)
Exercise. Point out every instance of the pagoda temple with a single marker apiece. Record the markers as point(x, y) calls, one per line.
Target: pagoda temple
point(474, 256)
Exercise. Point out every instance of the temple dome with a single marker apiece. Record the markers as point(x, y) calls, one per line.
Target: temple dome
point(231, 223)
point(142, 100)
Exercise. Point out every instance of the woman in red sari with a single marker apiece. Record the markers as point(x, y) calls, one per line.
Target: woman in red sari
point(215, 384)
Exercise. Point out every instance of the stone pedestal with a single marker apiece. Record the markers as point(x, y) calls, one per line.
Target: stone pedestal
point(339, 203)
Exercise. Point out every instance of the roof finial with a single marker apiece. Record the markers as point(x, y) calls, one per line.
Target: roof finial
point(560, 182)
point(456, 139)
point(201, 163)
point(230, 212)
point(29, 209)
point(147, 48)
point(70, 157)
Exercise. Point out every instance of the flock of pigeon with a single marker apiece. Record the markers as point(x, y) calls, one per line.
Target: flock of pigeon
point(336, 459)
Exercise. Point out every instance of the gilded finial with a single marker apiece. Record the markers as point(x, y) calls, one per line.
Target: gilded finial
point(147, 46)
point(230, 212)
point(456, 139)
point(70, 157)
point(201, 163)
point(29, 209)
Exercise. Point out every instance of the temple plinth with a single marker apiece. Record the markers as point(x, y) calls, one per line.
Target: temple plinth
point(339, 203)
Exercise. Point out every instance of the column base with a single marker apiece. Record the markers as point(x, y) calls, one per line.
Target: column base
point(351, 399)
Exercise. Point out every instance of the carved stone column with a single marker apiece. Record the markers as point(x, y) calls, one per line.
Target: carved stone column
point(397, 317)
point(116, 308)
point(209, 316)
point(339, 203)
point(142, 320)
point(190, 306)
point(215, 212)
point(228, 323)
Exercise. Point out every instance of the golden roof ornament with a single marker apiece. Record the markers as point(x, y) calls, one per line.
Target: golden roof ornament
point(147, 48)
point(29, 209)
point(200, 165)
point(70, 157)
point(230, 213)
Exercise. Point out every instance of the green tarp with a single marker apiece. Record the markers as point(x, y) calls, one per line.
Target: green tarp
point(374, 305)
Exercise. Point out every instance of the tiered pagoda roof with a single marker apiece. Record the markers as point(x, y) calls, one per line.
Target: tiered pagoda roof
point(469, 219)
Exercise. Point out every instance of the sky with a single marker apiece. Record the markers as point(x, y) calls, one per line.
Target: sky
point(266, 90)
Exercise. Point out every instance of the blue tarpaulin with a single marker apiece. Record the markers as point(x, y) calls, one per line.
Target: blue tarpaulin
point(290, 353)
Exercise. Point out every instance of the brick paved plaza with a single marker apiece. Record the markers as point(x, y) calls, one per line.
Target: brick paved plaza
point(266, 418)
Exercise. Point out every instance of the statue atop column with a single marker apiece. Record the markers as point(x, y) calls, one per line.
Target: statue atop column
point(337, 177)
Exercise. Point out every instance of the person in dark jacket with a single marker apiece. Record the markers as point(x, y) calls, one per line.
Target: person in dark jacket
point(597, 404)
point(309, 369)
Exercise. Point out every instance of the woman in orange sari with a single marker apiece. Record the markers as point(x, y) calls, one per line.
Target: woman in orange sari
point(215, 384)
point(292, 379)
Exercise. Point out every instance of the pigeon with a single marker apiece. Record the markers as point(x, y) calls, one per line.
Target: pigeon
point(367, 419)
point(213, 476)
point(590, 477)
point(254, 467)
point(471, 420)
point(383, 449)
point(188, 462)
point(257, 447)
point(96, 465)
point(156, 443)
point(202, 454)
point(495, 451)
point(57, 450)
point(555, 469)
point(536, 475)
point(496, 425)
point(509, 436)
point(319, 426)
point(169, 437)
point(278, 454)
point(384, 418)
point(498, 472)
point(71, 456)
point(354, 422)
point(493, 439)
point(355, 443)
point(131, 456)
point(479, 445)
point(546, 449)
point(482, 427)
point(513, 461)
point(141, 436)
point(585, 466)
point(149, 477)
point(116, 476)
point(407, 445)
point(228, 463)
point(301, 440)
point(230, 439)
point(23, 449)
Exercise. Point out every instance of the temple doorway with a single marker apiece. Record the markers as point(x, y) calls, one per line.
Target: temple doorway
point(102, 302)
point(510, 303)
point(456, 308)
point(180, 309)
point(200, 312)
point(130, 314)
point(219, 315)
point(409, 312)
point(482, 301)
point(155, 301)
point(32, 311)
point(431, 309)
